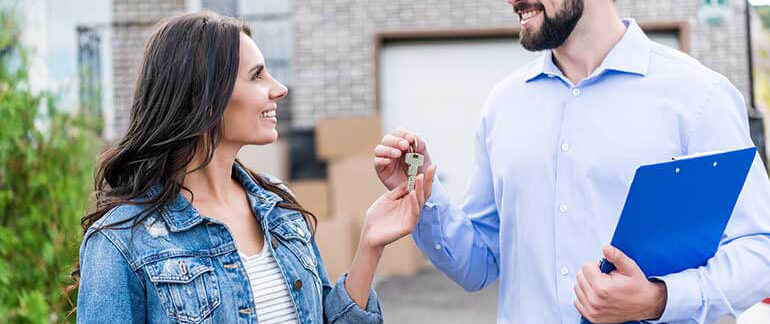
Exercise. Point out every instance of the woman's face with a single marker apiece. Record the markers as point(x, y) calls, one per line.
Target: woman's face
point(250, 116)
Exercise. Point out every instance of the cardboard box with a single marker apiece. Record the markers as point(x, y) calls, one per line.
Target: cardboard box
point(341, 137)
point(340, 236)
point(272, 159)
point(313, 195)
point(336, 244)
point(353, 185)
point(401, 258)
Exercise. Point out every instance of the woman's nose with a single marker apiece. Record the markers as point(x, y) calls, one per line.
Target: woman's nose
point(278, 91)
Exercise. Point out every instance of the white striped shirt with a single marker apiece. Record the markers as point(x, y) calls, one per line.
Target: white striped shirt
point(271, 295)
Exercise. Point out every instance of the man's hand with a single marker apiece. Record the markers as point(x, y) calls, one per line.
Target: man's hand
point(623, 295)
point(389, 157)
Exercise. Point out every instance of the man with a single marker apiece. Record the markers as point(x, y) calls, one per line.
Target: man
point(555, 153)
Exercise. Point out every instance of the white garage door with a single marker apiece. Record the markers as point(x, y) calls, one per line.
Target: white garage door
point(437, 88)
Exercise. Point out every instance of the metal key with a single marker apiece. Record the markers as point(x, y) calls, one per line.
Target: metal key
point(414, 160)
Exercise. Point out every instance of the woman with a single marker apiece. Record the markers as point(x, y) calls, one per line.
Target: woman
point(183, 233)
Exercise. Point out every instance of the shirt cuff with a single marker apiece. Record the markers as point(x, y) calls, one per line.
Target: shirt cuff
point(438, 196)
point(428, 234)
point(684, 297)
point(341, 309)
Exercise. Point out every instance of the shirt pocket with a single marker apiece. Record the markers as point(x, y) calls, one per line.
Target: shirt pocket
point(187, 287)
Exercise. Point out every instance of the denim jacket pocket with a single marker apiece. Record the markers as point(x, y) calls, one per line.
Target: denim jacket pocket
point(186, 286)
point(295, 235)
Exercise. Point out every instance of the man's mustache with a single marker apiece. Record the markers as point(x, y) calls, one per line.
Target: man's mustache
point(523, 6)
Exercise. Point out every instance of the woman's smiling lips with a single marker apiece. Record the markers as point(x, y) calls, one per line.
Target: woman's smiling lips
point(270, 114)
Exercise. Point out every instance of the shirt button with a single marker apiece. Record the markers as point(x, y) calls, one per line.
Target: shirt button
point(576, 92)
point(564, 271)
point(274, 242)
point(563, 208)
point(297, 284)
point(564, 147)
point(437, 246)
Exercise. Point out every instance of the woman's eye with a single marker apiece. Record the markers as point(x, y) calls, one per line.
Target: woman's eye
point(257, 76)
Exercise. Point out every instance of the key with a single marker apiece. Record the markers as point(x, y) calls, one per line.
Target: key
point(414, 161)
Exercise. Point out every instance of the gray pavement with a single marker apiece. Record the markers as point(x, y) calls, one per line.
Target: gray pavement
point(430, 297)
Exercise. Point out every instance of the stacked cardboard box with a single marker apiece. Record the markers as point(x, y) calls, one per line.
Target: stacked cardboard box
point(339, 138)
point(347, 145)
point(272, 159)
point(331, 232)
point(313, 195)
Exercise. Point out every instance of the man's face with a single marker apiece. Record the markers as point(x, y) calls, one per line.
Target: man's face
point(546, 24)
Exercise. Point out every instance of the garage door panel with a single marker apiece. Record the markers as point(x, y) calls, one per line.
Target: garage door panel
point(437, 88)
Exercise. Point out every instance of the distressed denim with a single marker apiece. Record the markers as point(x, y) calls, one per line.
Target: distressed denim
point(177, 266)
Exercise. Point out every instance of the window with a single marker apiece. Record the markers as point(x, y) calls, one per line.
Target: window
point(89, 71)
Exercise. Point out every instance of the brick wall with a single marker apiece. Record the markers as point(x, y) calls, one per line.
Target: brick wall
point(132, 25)
point(333, 44)
point(333, 59)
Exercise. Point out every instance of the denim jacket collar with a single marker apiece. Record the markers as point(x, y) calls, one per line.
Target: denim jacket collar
point(180, 214)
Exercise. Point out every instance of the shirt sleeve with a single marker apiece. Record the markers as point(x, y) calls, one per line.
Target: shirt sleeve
point(464, 242)
point(109, 292)
point(738, 276)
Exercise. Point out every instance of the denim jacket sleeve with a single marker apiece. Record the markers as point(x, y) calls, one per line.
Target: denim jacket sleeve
point(338, 307)
point(110, 292)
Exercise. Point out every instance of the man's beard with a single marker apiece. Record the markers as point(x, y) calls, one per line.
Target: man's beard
point(554, 30)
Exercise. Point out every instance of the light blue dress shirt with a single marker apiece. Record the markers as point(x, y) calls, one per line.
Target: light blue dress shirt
point(553, 162)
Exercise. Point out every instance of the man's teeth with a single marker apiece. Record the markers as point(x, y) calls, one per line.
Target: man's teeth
point(269, 114)
point(529, 14)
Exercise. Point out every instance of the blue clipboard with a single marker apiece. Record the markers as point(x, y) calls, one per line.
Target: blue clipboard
point(676, 212)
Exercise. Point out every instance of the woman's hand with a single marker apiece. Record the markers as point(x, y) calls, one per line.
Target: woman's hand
point(395, 214)
point(391, 217)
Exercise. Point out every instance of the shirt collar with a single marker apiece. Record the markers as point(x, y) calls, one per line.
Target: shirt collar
point(181, 215)
point(630, 55)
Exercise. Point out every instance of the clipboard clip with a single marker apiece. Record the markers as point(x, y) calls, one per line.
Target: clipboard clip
point(692, 156)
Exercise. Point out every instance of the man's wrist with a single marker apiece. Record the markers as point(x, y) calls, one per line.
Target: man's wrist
point(660, 296)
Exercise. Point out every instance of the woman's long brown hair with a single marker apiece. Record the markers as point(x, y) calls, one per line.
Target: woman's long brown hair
point(185, 80)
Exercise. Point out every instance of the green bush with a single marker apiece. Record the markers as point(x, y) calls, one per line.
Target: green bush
point(46, 168)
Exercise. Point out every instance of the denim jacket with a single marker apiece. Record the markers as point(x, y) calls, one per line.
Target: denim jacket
point(181, 267)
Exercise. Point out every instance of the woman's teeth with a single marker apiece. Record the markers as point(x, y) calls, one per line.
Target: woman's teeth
point(269, 114)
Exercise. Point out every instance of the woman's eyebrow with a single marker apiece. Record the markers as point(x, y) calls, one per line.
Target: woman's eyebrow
point(258, 68)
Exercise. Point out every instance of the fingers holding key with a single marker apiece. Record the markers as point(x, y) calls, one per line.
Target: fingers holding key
point(383, 151)
point(411, 138)
point(395, 142)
